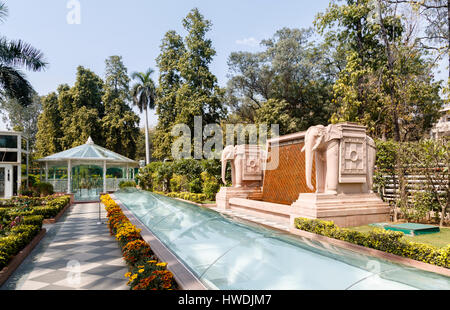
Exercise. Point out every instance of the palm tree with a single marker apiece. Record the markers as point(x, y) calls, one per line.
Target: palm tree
point(14, 55)
point(144, 97)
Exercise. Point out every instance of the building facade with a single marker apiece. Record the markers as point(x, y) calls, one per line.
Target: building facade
point(14, 156)
point(442, 127)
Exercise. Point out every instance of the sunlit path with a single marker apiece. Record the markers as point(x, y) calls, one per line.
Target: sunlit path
point(76, 253)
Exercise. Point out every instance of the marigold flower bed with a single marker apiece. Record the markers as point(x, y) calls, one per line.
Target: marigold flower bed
point(146, 272)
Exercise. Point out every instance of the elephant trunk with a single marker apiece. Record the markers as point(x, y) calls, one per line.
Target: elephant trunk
point(224, 170)
point(309, 158)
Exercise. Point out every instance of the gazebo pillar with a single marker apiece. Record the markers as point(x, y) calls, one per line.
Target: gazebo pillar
point(46, 171)
point(69, 176)
point(104, 176)
point(127, 174)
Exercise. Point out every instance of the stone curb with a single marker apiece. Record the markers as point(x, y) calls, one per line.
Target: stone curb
point(372, 252)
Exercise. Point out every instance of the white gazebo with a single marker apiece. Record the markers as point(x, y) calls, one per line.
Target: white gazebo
point(83, 170)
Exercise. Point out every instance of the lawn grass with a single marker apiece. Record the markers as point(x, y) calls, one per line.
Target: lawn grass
point(440, 239)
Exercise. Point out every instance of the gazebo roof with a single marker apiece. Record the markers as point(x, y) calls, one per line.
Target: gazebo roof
point(88, 152)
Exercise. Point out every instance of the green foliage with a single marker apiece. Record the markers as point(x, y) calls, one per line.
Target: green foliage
point(190, 168)
point(120, 125)
point(49, 130)
point(17, 238)
point(92, 107)
point(210, 185)
point(288, 83)
point(427, 158)
point(15, 55)
point(195, 186)
point(181, 176)
point(43, 188)
point(179, 183)
point(124, 184)
point(187, 196)
point(387, 78)
point(187, 88)
point(22, 118)
point(379, 239)
point(145, 175)
point(34, 220)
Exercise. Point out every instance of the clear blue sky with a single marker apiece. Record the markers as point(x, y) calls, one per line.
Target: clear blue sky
point(134, 29)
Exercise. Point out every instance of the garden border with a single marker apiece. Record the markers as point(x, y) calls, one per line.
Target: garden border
point(17, 260)
point(58, 216)
point(204, 205)
point(182, 275)
point(372, 252)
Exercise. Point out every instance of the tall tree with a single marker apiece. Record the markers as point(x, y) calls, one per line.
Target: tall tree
point(387, 83)
point(172, 49)
point(436, 14)
point(291, 76)
point(189, 89)
point(15, 55)
point(48, 137)
point(199, 94)
point(144, 97)
point(120, 125)
point(82, 109)
point(22, 118)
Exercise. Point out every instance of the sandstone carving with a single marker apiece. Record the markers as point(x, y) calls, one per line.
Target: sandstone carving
point(246, 164)
point(343, 155)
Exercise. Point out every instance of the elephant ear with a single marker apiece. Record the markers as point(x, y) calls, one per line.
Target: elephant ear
point(333, 132)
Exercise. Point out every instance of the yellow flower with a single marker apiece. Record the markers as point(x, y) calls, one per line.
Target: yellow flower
point(133, 277)
point(141, 270)
point(151, 261)
point(128, 274)
point(161, 264)
point(140, 267)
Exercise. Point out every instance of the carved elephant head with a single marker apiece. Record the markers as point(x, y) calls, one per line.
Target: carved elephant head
point(316, 139)
point(228, 153)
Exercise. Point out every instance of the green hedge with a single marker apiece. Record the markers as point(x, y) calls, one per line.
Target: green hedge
point(18, 237)
point(379, 239)
point(30, 214)
point(195, 176)
point(186, 196)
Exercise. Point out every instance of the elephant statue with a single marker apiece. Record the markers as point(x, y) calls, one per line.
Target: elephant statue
point(246, 164)
point(324, 143)
point(228, 153)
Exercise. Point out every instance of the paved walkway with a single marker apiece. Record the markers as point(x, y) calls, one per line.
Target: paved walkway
point(252, 218)
point(76, 253)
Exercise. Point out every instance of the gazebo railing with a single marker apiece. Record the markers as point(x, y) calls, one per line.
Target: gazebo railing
point(113, 184)
point(60, 185)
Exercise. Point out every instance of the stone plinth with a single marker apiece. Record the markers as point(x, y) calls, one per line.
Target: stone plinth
point(225, 193)
point(345, 210)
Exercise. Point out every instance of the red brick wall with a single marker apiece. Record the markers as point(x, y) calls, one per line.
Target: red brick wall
point(284, 184)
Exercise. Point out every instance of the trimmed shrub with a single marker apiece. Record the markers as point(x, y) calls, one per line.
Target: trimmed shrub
point(35, 220)
point(44, 189)
point(195, 186)
point(379, 239)
point(124, 184)
point(179, 183)
point(210, 185)
point(186, 196)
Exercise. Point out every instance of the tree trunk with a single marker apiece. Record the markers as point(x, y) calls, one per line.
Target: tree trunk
point(147, 144)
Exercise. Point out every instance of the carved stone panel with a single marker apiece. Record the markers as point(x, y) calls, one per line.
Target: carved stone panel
point(353, 160)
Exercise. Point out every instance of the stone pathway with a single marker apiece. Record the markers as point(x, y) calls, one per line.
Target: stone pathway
point(255, 219)
point(76, 253)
